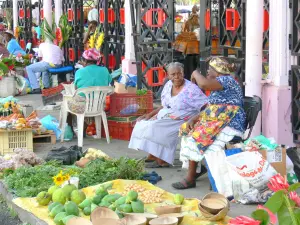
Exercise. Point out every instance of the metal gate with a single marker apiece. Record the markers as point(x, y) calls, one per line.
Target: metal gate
point(153, 26)
point(112, 23)
point(6, 7)
point(24, 22)
point(74, 47)
point(295, 69)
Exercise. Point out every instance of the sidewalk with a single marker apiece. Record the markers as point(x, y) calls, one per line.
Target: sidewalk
point(119, 148)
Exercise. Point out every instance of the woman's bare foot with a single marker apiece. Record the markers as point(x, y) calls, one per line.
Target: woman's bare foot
point(150, 158)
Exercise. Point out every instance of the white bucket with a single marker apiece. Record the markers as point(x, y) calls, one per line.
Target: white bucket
point(8, 87)
point(73, 180)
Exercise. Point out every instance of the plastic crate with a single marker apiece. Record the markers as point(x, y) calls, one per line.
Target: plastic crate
point(119, 130)
point(12, 139)
point(131, 104)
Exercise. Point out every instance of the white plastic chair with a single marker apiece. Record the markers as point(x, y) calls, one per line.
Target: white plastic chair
point(95, 99)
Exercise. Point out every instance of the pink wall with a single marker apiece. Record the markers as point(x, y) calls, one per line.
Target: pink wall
point(276, 114)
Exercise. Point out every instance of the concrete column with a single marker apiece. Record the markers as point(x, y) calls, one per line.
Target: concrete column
point(277, 94)
point(58, 10)
point(15, 13)
point(254, 39)
point(127, 65)
point(278, 47)
point(47, 6)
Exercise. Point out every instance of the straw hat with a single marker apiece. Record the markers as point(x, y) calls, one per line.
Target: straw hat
point(214, 206)
point(9, 32)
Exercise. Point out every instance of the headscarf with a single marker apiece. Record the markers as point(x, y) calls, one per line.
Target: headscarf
point(91, 54)
point(221, 65)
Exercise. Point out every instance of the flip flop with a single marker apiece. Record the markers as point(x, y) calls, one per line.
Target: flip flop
point(156, 165)
point(149, 160)
point(184, 185)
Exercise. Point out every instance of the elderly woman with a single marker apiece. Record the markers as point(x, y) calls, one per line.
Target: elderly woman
point(222, 119)
point(157, 132)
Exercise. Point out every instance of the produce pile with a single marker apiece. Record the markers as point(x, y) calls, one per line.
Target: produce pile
point(68, 202)
point(16, 121)
point(21, 157)
point(146, 196)
point(29, 181)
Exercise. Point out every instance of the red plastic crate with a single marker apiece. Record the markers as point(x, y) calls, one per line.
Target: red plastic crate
point(119, 130)
point(131, 104)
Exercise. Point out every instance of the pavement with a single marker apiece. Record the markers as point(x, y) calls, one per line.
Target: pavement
point(118, 148)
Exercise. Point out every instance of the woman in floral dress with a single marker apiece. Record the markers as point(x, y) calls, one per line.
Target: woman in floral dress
point(157, 132)
point(222, 119)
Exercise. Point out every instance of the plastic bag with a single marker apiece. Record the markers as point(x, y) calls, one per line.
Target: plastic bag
point(130, 109)
point(22, 85)
point(222, 175)
point(68, 134)
point(264, 143)
point(51, 123)
point(291, 175)
point(253, 167)
point(129, 80)
point(64, 155)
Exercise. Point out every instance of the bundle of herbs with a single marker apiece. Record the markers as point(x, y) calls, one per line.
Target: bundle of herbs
point(100, 171)
point(29, 181)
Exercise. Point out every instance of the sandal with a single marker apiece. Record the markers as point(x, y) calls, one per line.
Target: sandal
point(149, 160)
point(184, 185)
point(156, 165)
point(203, 171)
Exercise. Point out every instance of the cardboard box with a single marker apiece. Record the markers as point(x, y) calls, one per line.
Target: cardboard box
point(277, 159)
point(121, 88)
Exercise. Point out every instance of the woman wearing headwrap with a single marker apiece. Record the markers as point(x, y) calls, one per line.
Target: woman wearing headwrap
point(91, 74)
point(222, 119)
point(88, 76)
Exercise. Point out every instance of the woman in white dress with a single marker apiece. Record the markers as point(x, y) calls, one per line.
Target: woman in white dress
point(157, 132)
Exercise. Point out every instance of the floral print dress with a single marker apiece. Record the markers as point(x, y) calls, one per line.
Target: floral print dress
point(222, 119)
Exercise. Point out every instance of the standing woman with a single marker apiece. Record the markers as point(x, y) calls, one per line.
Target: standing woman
point(157, 132)
point(222, 119)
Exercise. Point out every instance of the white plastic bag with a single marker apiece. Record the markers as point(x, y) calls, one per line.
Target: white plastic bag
point(253, 167)
point(224, 176)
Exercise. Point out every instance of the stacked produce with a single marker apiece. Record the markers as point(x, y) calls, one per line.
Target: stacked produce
point(64, 200)
point(21, 157)
point(146, 196)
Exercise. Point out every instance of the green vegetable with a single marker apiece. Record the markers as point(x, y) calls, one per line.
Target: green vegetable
point(52, 205)
point(141, 92)
point(178, 199)
point(57, 209)
point(111, 198)
point(137, 206)
point(71, 209)
point(59, 217)
point(67, 218)
point(104, 204)
point(29, 181)
point(100, 171)
point(126, 208)
point(87, 202)
point(120, 201)
point(93, 207)
point(97, 199)
point(112, 207)
point(87, 211)
point(131, 196)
